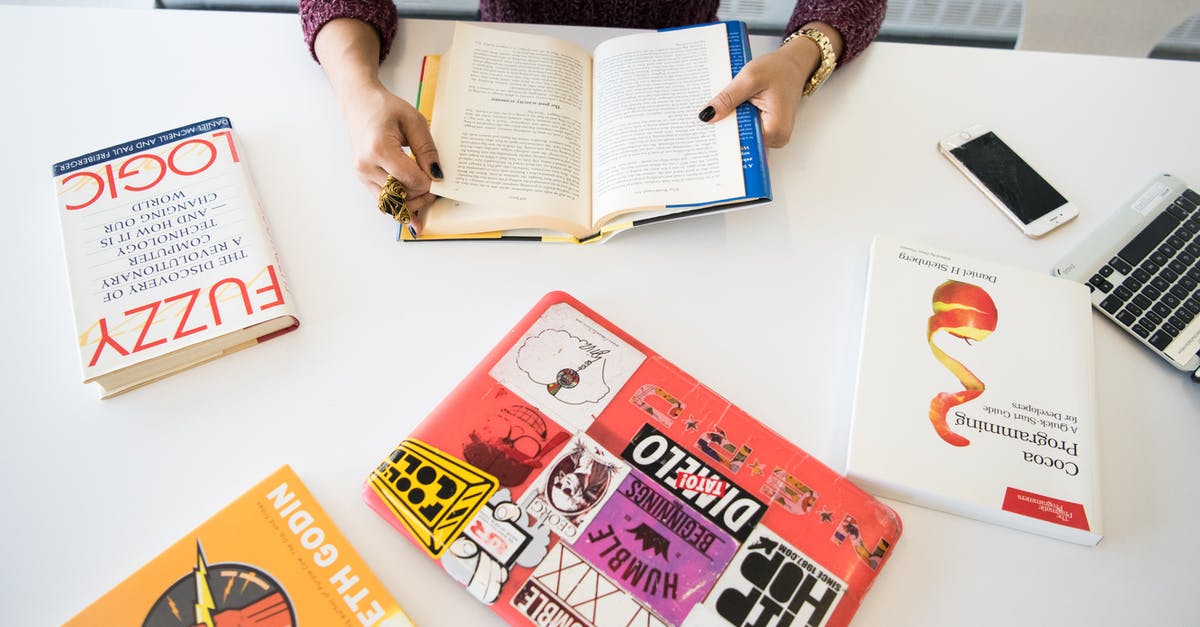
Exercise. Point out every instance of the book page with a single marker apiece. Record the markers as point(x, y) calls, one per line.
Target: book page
point(650, 148)
point(510, 120)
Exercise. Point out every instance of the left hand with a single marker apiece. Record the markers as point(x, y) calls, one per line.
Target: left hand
point(772, 82)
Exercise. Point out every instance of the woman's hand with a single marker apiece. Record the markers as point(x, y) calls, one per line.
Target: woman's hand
point(380, 123)
point(773, 82)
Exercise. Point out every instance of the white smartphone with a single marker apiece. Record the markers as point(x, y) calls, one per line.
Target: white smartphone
point(1007, 180)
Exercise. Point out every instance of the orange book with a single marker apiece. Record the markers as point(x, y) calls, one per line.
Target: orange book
point(272, 558)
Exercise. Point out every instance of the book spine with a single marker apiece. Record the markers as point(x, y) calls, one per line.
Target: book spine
point(754, 149)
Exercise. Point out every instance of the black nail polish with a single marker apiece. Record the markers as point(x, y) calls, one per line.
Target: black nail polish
point(435, 170)
point(708, 113)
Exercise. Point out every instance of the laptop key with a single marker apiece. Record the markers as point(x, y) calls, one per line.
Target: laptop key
point(1143, 276)
point(1152, 319)
point(1119, 265)
point(1101, 283)
point(1124, 293)
point(1161, 309)
point(1161, 340)
point(1176, 211)
point(1179, 291)
point(1126, 318)
point(1148, 239)
point(1140, 331)
point(1160, 283)
point(1111, 304)
point(1192, 196)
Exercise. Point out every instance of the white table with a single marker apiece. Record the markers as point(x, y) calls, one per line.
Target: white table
point(763, 305)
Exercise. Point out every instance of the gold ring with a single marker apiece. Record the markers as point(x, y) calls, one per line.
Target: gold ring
point(393, 200)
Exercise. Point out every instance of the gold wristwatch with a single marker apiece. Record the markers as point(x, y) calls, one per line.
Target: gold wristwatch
point(828, 59)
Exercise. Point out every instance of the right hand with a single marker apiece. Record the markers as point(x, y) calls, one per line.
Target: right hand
point(381, 125)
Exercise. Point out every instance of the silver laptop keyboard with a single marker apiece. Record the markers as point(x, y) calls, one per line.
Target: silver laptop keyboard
point(1152, 285)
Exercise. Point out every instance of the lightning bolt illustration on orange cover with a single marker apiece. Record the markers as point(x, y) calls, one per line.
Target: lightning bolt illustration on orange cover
point(204, 598)
point(965, 311)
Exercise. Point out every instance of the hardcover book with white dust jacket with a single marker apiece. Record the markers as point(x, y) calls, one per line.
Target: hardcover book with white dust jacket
point(975, 392)
point(168, 255)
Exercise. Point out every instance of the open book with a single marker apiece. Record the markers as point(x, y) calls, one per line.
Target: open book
point(539, 139)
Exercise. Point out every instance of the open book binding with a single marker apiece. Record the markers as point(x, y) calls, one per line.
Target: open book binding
point(548, 142)
point(576, 477)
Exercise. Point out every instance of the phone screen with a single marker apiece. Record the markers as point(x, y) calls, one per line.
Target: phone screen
point(1007, 175)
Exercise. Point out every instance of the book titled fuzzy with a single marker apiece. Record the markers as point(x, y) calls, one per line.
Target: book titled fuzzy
point(168, 256)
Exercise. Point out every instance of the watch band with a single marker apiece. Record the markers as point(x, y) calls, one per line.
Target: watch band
point(828, 59)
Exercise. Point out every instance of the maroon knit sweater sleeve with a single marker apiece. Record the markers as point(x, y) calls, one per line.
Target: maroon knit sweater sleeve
point(858, 21)
point(381, 14)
